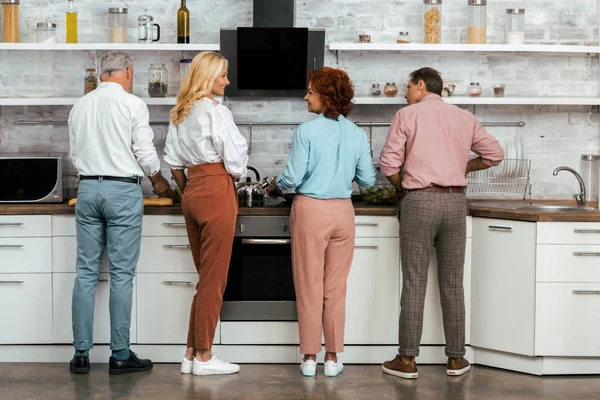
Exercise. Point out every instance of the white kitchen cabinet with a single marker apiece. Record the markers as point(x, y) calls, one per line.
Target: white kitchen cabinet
point(25, 226)
point(568, 263)
point(166, 254)
point(503, 285)
point(164, 225)
point(258, 333)
point(25, 255)
point(26, 311)
point(64, 255)
point(376, 227)
point(61, 305)
point(568, 233)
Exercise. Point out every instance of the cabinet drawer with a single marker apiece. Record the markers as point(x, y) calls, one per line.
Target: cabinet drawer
point(25, 226)
point(64, 255)
point(62, 293)
point(568, 263)
point(25, 255)
point(28, 319)
point(376, 226)
point(166, 254)
point(63, 225)
point(259, 333)
point(567, 319)
point(164, 225)
point(568, 233)
point(164, 302)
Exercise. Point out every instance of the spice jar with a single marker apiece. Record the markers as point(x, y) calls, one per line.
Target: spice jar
point(403, 37)
point(590, 171)
point(10, 13)
point(476, 31)
point(432, 21)
point(515, 26)
point(157, 80)
point(117, 25)
point(46, 32)
point(390, 89)
point(474, 89)
point(499, 90)
point(91, 82)
point(375, 90)
point(364, 38)
point(184, 67)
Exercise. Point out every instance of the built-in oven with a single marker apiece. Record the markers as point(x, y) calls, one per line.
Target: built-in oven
point(260, 284)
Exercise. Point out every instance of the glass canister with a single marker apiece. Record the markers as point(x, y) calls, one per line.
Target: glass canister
point(146, 27)
point(474, 89)
point(403, 37)
point(432, 21)
point(184, 67)
point(10, 17)
point(590, 172)
point(46, 32)
point(117, 25)
point(157, 80)
point(90, 81)
point(476, 31)
point(515, 26)
point(375, 90)
point(390, 89)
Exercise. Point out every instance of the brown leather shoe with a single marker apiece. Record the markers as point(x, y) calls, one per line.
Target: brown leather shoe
point(404, 367)
point(457, 366)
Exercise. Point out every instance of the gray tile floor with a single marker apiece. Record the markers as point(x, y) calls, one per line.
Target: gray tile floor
point(20, 381)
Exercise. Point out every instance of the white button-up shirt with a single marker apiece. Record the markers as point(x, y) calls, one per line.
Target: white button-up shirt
point(207, 135)
point(110, 134)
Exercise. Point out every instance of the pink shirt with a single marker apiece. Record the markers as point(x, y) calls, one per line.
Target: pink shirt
point(433, 140)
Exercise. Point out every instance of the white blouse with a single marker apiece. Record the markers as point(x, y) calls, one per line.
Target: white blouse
point(207, 135)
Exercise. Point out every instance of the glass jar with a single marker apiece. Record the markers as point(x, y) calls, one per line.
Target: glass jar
point(184, 67)
point(375, 90)
point(390, 89)
point(590, 172)
point(499, 90)
point(91, 81)
point(10, 16)
point(364, 38)
point(157, 80)
point(476, 31)
point(117, 25)
point(432, 21)
point(403, 37)
point(474, 89)
point(46, 32)
point(515, 26)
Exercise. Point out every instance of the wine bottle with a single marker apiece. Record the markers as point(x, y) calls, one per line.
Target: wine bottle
point(183, 24)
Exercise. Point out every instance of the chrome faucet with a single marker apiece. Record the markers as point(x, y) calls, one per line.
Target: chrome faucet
point(580, 197)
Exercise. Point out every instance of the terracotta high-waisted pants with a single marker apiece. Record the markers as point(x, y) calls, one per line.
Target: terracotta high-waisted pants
point(210, 209)
point(322, 251)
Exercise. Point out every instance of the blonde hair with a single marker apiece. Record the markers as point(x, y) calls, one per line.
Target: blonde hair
point(198, 83)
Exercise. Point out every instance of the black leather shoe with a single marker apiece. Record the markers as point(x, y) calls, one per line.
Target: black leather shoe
point(80, 365)
point(133, 364)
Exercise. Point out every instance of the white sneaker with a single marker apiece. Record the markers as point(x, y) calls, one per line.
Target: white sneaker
point(308, 368)
point(186, 366)
point(214, 367)
point(333, 368)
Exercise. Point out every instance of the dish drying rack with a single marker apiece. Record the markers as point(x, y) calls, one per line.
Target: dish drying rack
point(510, 179)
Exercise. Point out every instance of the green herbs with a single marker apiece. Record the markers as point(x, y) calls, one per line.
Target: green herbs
point(175, 195)
point(380, 195)
point(157, 89)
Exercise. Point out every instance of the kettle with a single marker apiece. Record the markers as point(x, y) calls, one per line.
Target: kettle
point(251, 194)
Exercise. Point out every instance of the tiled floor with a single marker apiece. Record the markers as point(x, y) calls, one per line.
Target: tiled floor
point(284, 382)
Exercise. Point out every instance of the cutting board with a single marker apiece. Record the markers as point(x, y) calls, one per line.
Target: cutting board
point(148, 202)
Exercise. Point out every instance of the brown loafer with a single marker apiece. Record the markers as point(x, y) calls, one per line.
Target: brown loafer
point(457, 366)
point(404, 367)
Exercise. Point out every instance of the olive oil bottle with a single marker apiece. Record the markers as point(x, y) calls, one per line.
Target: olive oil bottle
point(71, 23)
point(183, 24)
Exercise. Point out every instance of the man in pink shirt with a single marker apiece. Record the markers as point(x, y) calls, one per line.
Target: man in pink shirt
point(433, 141)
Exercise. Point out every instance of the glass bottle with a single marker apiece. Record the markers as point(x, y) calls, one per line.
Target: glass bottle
point(390, 89)
point(117, 25)
point(90, 82)
point(157, 80)
point(10, 11)
point(515, 26)
point(183, 24)
point(432, 21)
point(71, 23)
point(476, 31)
point(590, 169)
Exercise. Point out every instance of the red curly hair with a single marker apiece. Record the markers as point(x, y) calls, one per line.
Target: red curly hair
point(336, 91)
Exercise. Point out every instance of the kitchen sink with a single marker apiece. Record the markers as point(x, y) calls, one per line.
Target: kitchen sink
point(556, 208)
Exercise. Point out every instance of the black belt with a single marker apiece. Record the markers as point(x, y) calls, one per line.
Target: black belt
point(137, 180)
point(439, 189)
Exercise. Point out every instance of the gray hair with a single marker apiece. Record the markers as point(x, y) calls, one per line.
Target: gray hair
point(115, 61)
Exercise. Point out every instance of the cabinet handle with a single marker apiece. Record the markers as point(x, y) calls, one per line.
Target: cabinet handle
point(11, 246)
point(499, 228)
point(103, 280)
point(586, 253)
point(586, 291)
point(586, 230)
point(176, 246)
point(11, 282)
point(176, 282)
point(11, 224)
point(366, 246)
point(174, 223)
point(367, 224)
point(266, 241)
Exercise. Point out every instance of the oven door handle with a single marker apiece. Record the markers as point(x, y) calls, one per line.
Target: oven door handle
point(266, 241)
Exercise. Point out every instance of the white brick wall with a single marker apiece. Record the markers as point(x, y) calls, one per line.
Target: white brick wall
point(553, 135)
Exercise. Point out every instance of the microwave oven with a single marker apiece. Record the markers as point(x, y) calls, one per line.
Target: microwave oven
point(32, 179)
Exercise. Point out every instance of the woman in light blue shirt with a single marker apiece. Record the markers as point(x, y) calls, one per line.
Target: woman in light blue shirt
point(327, 154)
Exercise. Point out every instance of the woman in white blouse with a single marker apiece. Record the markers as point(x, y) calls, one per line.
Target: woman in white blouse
point(204, 139)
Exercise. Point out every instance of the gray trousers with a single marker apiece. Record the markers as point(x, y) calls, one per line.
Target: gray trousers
point(432, 219)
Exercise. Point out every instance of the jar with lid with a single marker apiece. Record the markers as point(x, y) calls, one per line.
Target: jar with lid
point(10, 17)
point(157, 80)
point(146, 30)
point(390, 89)
point(117, 25)
point(476, 31)
point(184, 67)
point(403, 37)
point(590, 172)
point(432, 21)
point(46, 32)
point(515, 26)
point(375, 90)
point(91, 81)
point(474, 89)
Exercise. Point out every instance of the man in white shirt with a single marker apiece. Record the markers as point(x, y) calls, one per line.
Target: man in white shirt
point(111, 148)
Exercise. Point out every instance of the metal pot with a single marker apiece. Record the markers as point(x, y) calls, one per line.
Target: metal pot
point(251, 194)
